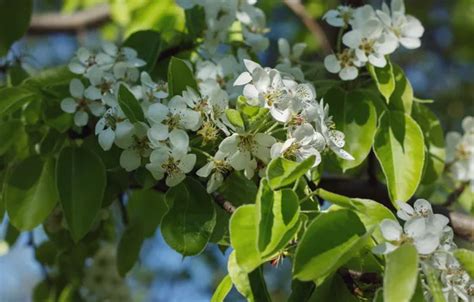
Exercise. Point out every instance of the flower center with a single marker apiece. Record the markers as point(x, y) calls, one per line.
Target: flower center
point(171, 166)
point(246, 142)
point(367, 46)
point(208, 132)
point(290, 153)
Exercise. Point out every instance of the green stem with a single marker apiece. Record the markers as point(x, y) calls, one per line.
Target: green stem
point(269, 130)
point(197, 150)
point(339, 38)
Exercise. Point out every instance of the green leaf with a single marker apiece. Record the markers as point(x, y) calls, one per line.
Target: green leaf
point(238, 189)
point(401, 274)
point(399, 147)
point(147, 43)
point(12, 98)
point(435, 154)
point(129, 105)
point(188, 225)
point(180, 76)
point(402, 97)
point(466, 258)
point(243, 237)
point(80, 180)
point(147, 207)
point(283, 172)
point(51, 77)
point(331, 239)
point(222, 290)
point(384, 79)
point(277, 214)
point(195, 20)
point(432, 278)
point(355, 115)
point(128, 249)
point(301, 291)
point(8, 134)
point(14, 21)
point(30, 193)
point(234, 118)
point(333, 289)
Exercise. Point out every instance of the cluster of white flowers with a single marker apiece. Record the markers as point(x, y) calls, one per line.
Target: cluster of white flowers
point(373, 34)
point(433, 239)
point(101, 279)
point(460, 153)
point(222, 14)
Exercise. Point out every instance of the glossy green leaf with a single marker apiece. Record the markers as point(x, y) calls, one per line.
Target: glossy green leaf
point(180, 76)
point(147, 207)
point(129, 105)
point(354, 114)
point(402, 97)
point(8, 134)
point(12, 98)
point(30, 193)
point(50, 78)
point(283, 172)
point(384, 79)
point(14, 21)
point(466, 258)
point(234, 118)
point(399, 147)
point(188, 225)
point(435, 154)
point(80, 180)
point(128, 249)
point(433, 282)
point(401, 274)
point(243, 237)
point(238, 189)
point(322, 250)
point(147, 43)
point(222, 289)
point(301, 291)
point(333, 289)
point(277, 214)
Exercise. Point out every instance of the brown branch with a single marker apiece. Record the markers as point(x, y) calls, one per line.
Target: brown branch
point(224, 204)
point(312, 25)
point(462, 224)
point(455, 195)
point(76, 22)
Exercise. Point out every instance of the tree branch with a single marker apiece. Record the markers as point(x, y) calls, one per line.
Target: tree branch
point(76, 22)
point(312, 25)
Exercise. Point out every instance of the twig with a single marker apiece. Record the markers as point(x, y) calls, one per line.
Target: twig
point(76, 22)
point(455, 195)
point(298, 8)
point(224, 204)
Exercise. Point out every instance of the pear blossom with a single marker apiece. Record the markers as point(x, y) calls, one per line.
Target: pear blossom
point(406, 29)
point(216, 168)
point(135, 144)
point(80, 105)
point(292, 54)
point(345, 64)
point(174, 163)
point(339, 17)
point(242, 149)
point(103, 86)
point(151, 91)
point(111, 122)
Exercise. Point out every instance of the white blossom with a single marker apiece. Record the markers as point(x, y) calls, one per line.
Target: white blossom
point(345, 64)
point(340, 17)
point(216, 168)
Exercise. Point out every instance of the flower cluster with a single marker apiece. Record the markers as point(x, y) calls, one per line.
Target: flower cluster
point(373, 34)
point(460, 153)
point(222, 14)
point(101, 279)
point(433, 239)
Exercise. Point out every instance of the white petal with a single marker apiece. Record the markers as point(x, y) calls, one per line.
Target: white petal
point(157, 112)
point(250, 92)
point(93, 93)
point(81, 118)
point(205, 170)
point(391, 230)
point(422, 207)
point(264, 139)
point(69, 105)
point(243, 79)
point(251, 65)
point(406, 211)
point(179, 141)
point(239, 160)
point(130, 160)
point(377, 60)
point(352, 39)
point(187, 163)
point(76, 67)
point(415, 227)
point(158, 133)
point(410, 43)
point(76, 88)
point(349, 73)
point(229, 144)
point(426, 244)
point(284, 48)
point(175, 179)
point(106, 139)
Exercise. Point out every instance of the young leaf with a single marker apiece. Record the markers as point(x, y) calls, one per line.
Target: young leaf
point(147, 43)
point(129, 247)
point(435, 153)
point(401, 274)
point(80, 180)
point(355, 115)
point(402, 97)
point(189, 223)
point(322, 250)
point(283, 172)
point(222, 289)
point(399, 147)
point(243, 237)
point(234, 118)
point(180, 76)
point(30, 193)
point(466, 258)
point(14, 21)
point(129, 105)
point(384, 79)
point(277, 214)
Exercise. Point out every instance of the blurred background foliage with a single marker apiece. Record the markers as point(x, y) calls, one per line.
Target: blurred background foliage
point(441, 70)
